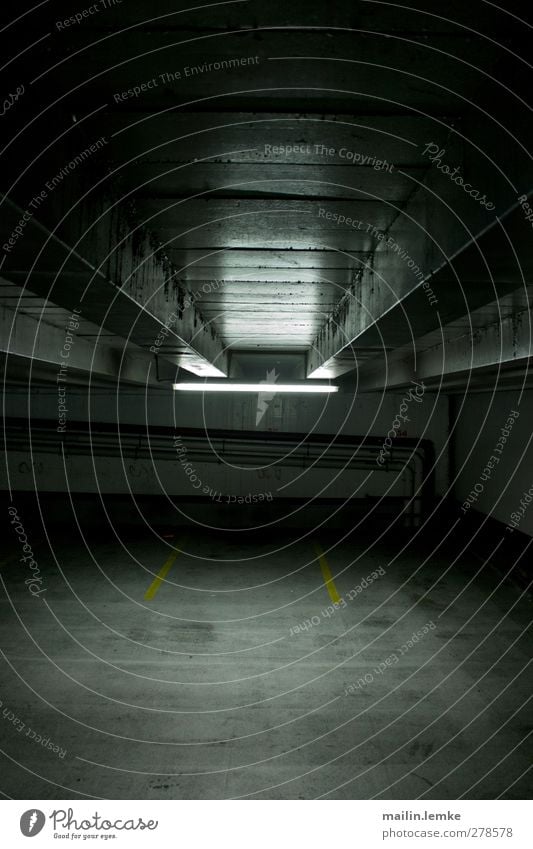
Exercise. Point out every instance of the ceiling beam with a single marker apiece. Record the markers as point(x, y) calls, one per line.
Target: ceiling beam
point(506, 342)
point(128, 288)
point(446, 255)
point(267, 223)
point(72, 355)
point(252, 72)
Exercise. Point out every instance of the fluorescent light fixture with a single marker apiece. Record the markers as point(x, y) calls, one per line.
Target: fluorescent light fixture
point(227, 386)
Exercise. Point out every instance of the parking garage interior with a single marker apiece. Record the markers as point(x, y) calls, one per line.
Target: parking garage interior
point(265, 343)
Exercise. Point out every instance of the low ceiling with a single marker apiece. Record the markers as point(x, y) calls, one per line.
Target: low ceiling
point(263, 174)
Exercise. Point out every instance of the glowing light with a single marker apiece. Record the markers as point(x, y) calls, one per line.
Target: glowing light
point(227, 386)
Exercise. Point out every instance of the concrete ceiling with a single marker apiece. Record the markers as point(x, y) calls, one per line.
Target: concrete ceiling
point(279, 196)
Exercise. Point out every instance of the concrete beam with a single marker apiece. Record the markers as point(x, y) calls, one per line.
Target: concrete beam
point(246, 263)
point(63, 347)
point(505, 343)
point(314, 140)
point(266, 223)
point(176, 15)
point(443, 298)
point(446, 255)
point(273, 181)
point(130, 289)
point(181, 68)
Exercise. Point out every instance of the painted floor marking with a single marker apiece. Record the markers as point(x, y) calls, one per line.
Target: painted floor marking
point(326, 574)
point(160, 577)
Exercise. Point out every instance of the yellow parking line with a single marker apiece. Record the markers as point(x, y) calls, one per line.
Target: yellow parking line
point(158, 580)
point(326, 574)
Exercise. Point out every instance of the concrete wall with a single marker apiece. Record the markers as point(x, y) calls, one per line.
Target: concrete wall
point(370, 414)
point(495, 491)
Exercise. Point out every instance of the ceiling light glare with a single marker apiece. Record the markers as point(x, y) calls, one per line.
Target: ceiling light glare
point(225, 386)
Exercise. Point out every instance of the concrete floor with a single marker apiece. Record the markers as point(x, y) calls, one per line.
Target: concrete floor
point(202, 691)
